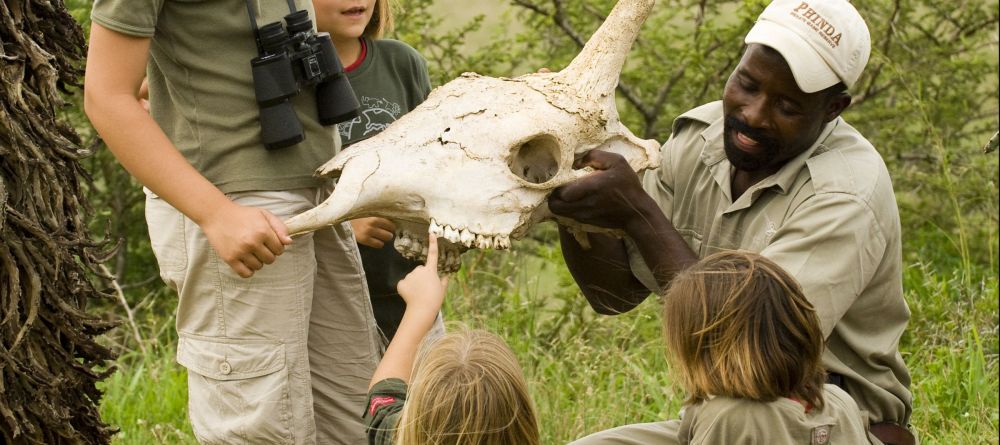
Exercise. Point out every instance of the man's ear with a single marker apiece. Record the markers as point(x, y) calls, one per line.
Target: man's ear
point(836, 105)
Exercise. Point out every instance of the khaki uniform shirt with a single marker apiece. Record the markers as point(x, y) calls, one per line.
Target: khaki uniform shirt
point(724, 420)
point(201, 90)
point(729, 421)
point(829, 217)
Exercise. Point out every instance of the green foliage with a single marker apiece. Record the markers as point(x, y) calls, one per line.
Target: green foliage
point(148, 401)
point(446, 45)
point(928, 102)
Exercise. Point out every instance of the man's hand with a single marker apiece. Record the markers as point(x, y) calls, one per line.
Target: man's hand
point(373, 232)
point(246, 238)
point(610, 197)
point(422, 289)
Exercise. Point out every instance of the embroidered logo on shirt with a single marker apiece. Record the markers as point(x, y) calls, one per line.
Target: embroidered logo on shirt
point(762, 240)
point(821, 435)
point(382, 401)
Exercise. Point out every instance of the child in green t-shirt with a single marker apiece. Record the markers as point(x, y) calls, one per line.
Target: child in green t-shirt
point(389, 79)
point(746, 346)
point(465, 387)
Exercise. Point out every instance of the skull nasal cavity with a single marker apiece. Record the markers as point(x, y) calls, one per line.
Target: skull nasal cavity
point(536, 160)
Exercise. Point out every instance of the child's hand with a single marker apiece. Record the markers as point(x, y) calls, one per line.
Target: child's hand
point(373, 232)
point(246, 238)
point(423, 292)
point(423, 289)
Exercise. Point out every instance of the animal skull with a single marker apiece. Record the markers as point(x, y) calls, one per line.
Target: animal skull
point(476, 161)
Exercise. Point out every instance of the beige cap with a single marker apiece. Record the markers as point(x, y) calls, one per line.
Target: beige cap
point(823, 41)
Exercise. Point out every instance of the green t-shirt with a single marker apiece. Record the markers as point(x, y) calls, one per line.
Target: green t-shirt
point(201, 90)
point(382, 412)
point(391, 81)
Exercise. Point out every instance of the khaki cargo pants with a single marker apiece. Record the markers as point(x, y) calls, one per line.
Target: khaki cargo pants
point(283, 357)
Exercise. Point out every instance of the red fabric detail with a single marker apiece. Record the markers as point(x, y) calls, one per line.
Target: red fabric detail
point(805, 405)
point(361, 57)
point(379, 402)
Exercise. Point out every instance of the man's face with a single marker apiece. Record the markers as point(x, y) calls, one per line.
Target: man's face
point(768, 119)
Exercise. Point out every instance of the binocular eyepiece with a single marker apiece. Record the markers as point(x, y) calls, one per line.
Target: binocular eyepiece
point(291, 58)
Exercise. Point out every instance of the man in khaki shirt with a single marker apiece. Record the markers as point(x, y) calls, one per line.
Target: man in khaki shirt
point(772, 168)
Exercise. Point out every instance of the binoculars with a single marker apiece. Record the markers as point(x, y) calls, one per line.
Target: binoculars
point(291, 58)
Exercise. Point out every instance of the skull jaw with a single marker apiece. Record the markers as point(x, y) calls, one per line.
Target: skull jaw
point(411, 242)
point(453, 240)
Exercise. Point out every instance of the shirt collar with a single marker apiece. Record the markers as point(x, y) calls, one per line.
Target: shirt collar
point(714, 156)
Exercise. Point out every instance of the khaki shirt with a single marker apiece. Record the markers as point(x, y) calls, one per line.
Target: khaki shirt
point(201, 90)
point(729, 421)
point(724, 420)
point(829, 217)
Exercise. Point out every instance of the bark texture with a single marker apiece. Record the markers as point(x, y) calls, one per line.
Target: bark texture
point(49, 359)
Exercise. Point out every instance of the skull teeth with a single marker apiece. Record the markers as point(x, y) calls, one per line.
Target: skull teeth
point(483, 242)
point(436, 229)
point(451, 234)
point(467, 238)
point(415, 247)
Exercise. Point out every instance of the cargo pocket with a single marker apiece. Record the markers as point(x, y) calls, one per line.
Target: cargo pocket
point(167, 238)
point(237, 390)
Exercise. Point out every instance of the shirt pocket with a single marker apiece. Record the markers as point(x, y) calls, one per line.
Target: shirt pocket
point(238, 390)
point(692, 237)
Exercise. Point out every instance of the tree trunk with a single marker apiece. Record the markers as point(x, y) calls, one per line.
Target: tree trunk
point(49, 360)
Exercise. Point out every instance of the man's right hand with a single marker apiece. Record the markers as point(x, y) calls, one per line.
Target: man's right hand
point(373, 231)
point(613, 197)
point(246, 238)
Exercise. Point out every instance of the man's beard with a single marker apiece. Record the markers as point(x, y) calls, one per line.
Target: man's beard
point(741, 159)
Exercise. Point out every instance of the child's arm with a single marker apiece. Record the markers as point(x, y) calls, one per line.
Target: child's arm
point(423, 292)
point(245, 238)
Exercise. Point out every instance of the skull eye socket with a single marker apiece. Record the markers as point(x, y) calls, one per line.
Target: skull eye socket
point(536, 160)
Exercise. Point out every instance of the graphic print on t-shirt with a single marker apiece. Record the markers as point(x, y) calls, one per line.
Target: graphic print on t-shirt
point(376, 114)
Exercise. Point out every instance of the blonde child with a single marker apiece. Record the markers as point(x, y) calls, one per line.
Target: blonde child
point(462, 388)
point(746, 346)
point(389, 79)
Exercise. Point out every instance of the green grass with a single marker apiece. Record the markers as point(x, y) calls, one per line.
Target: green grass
point(147, 399)
point(589, 372)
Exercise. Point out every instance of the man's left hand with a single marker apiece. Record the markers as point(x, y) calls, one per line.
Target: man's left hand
point(610, 197)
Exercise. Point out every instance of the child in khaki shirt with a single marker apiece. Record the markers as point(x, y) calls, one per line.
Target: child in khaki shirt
point(747, 347)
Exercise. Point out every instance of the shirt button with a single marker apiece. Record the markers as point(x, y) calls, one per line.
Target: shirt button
point(225, 368)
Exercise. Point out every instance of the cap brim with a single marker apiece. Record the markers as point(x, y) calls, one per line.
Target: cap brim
point(811, 72)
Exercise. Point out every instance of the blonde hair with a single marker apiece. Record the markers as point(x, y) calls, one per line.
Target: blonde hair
point(738, 325)
point(381, 22)
point(467, 389)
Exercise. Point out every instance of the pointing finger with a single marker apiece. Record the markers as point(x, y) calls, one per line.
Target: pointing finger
point(432, 251)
